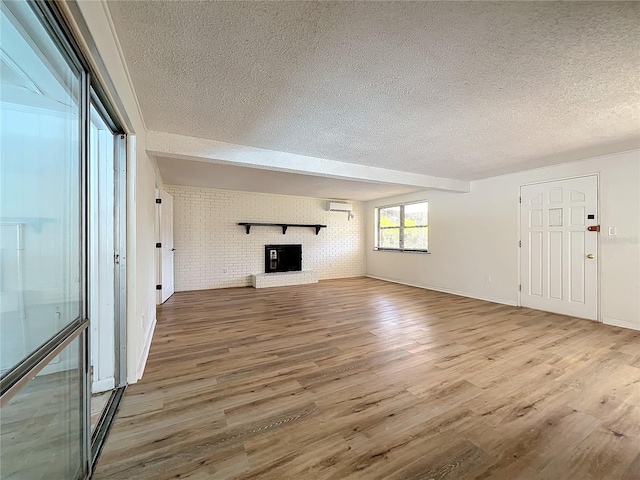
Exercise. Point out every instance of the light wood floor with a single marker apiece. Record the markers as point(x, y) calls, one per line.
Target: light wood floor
point(363, 379)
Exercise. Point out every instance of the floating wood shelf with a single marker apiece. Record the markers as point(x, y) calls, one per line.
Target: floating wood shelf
point(247, 226)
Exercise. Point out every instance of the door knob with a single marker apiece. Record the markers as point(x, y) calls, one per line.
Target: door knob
point(591, 256)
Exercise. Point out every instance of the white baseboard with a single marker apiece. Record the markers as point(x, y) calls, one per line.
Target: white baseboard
point(142, 362)
point(447, 290)
point(620, 323)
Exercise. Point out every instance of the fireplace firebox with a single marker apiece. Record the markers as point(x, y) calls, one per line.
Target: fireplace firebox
point(282, 258)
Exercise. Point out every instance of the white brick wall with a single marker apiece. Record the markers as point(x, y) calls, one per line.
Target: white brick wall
point(213, 251)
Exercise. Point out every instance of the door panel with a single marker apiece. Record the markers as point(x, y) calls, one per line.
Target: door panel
point(42, 255)
point(166, 239)
point(557, 274)
point(536, 259)
point(555, 265)
point(577, 255)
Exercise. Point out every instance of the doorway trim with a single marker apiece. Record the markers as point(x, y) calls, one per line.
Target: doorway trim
point(158, 251)
point(598, 248)
point(163, 198)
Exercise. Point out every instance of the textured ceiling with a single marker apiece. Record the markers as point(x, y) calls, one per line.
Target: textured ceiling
point(454, 89)
point(229, 177)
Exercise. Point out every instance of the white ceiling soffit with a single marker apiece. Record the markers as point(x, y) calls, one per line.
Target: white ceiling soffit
point(174, 146)
point(230, 177)
point(460, 90)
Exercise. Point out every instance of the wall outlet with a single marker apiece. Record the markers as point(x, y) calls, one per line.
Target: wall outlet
point(487, 278)
point(613, 231)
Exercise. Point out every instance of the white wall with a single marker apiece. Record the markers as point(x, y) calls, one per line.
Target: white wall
point(142, 175)
point(213, 251)
point(475, 234)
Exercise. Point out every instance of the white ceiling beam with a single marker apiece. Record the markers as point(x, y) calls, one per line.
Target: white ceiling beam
point(204, 150)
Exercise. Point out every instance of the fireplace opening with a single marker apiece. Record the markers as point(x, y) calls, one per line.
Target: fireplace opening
point(282, 258)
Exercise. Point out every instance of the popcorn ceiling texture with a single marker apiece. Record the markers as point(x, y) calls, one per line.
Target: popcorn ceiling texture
point(453, 89)
point(208, 240)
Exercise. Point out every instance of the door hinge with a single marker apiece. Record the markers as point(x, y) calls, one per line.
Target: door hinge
point(158, 245)
point(519, 199)
point(519, 288)
point(520, 243)
point(158, 287)
point(158, 200)
point(116, 259)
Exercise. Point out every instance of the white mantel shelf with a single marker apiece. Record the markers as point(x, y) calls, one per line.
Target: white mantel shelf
point(281, 279)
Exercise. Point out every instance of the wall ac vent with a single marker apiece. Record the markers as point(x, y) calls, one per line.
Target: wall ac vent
point(339, 207)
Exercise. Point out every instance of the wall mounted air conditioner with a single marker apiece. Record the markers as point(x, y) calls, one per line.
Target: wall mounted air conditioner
point(339, 207)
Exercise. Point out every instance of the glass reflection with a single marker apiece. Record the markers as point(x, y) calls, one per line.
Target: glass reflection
point(39, 186)
point(40, 428)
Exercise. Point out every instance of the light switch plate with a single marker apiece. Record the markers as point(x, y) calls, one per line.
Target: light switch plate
point(613, 231)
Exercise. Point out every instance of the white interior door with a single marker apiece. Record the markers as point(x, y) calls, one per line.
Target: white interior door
point(558, 255)
point(166, 240)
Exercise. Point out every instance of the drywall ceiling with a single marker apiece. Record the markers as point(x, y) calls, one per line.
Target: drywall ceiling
point(230, 177)
point(461, 90)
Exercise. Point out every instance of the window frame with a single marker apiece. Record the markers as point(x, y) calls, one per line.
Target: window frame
point(401, 227)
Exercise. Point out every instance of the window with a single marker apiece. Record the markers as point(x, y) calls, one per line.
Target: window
point(403, 227)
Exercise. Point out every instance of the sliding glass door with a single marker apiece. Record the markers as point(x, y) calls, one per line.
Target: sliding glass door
point(59, 192)
point(41, 195)
point(43, 322)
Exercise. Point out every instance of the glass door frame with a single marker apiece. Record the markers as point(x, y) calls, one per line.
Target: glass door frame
point(24, 372)
point(120, 235)
point(14, 380)
point(99, 434)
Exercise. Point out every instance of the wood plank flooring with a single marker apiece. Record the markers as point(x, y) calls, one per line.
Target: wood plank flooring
point(364, 379)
